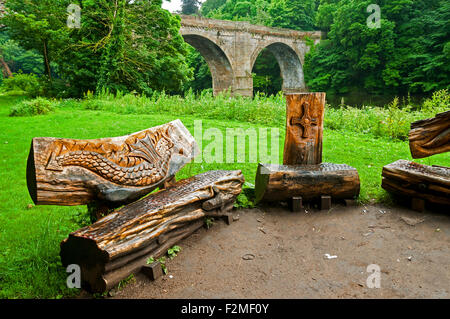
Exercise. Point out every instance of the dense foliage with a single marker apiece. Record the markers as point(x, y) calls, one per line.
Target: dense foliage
point(121, 45)
point(410, 52)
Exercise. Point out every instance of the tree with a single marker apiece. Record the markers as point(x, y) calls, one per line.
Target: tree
point(293, 14)
point(39, 25)
point(408, 53)
point(125, 45)
point(190, 7)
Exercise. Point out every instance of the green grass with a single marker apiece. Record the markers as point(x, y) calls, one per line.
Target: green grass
point(30, 236)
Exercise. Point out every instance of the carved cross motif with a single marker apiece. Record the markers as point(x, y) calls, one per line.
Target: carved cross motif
point(306, 122)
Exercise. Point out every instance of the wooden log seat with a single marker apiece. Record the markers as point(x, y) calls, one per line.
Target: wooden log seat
point(430, 183)
point(120, 244)
point(310, 182)
point(113, 170)
point(431, 136)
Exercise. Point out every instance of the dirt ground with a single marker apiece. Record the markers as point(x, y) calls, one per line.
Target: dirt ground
point(273, 253)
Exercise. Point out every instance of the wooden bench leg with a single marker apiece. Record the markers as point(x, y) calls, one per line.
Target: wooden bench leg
point(418, 204)
point(228, 219)
point(296, 204)
point(350, 202)
point(325, 202)
point(153, 271)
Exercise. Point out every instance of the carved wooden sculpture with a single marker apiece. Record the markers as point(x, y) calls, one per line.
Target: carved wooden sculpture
point(430, 183)
point(431, 136)
point(303, 176)
point(120, 243)
point(119, 170)
point(304, 128)
point(310, 182)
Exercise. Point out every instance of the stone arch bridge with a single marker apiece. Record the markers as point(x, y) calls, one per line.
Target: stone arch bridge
point(231, 48)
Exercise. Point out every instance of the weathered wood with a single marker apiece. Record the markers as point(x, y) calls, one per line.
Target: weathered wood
point(281, 182)
point(296, 204)
point(153, 271)
point(118, 170)
point(304, 128)
point(120, 243)
point(419, 181)
point(325, 202)
point(418, 204)
point(431, 136)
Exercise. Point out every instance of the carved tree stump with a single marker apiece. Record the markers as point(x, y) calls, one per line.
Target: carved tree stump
point(304, 128)
point(431, 136)
point(120, 243)
point(418, 181)
point(310, 182)
point(115, 170)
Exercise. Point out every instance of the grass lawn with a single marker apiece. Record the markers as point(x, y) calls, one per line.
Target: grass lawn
point(30, 235)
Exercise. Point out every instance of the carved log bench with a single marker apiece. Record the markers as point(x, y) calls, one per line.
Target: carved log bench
point(112, 170)
point(422, 183)
point(120, 243)
point(306, 182)
point(417, 181)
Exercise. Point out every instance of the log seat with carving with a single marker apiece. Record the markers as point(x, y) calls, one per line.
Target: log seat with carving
point(113, 170)
point(120, 243)
point(422, 183)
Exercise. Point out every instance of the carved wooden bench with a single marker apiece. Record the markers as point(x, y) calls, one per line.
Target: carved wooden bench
point(304, 177)
point(422, 183)
point(120, 243)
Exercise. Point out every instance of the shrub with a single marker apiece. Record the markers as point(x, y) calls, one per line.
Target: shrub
point(438, 103)
point(22, 84)
point(32, 107)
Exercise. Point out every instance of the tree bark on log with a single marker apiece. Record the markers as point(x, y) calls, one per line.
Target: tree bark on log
point(431, 136)
point(280, 182)
point(120, 243)
point(418, 181)
point(304, 128)
point(116, 170)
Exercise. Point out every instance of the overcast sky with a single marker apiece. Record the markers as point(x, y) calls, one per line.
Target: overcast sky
point(173, 5)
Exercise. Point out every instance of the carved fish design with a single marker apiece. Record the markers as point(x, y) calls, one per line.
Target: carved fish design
point(138, 162)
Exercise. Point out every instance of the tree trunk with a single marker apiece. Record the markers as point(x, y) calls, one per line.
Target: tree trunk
point(418, 181)
point(6, 70)
point(280, 182)
point(304, 128)
point(120, 243)
point(115, 170)
point(431, 136)
point(47, 67)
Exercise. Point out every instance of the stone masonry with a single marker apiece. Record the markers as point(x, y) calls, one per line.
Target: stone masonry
point(230, 49)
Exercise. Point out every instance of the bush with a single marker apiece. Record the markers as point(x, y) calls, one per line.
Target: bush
point(22, 84)
point(438, 103)
point(37, 106)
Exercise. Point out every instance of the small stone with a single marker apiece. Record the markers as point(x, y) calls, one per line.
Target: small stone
point(248, 257)
point(410, 258)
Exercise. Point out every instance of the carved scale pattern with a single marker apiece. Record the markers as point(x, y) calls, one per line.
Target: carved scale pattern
point(142, 160)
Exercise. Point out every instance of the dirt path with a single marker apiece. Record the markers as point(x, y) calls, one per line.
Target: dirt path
point(289, 256)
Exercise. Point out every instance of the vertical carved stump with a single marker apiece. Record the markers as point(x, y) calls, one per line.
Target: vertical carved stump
point(304, 128)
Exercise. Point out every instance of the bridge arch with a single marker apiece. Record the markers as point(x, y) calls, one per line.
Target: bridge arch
point(290, 62)
point(218, 62)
